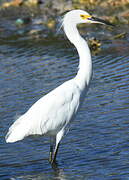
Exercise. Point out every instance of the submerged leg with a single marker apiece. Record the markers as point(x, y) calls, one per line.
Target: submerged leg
point(58, 139)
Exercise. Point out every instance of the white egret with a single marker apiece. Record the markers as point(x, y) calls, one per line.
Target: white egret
point(51, 114)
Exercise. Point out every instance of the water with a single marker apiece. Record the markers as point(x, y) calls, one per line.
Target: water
point(97, 144)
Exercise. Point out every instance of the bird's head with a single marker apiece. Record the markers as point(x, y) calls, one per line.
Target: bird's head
point(80, 16)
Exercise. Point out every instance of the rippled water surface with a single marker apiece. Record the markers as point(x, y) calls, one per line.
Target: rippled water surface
point(97, 144)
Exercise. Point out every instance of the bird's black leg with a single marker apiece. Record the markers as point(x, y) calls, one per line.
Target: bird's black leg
point(51, 150)
point(58, 139)
point(51, 153)
point(55, 153)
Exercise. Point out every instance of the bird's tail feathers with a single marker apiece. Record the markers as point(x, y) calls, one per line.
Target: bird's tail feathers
point(17, 131)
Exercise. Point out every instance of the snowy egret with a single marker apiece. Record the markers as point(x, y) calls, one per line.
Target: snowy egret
point(51, 114)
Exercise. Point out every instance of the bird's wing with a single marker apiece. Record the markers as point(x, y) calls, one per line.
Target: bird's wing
point(49, 114)
point(56, 109)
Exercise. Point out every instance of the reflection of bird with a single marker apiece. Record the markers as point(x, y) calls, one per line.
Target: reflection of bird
point(51, 114)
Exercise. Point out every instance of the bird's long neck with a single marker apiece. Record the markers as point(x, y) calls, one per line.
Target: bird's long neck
point(85, 64)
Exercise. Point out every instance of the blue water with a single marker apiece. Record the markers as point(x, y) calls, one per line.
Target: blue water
point(97, 143)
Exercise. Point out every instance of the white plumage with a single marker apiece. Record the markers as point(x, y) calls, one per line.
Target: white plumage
point(50, 114)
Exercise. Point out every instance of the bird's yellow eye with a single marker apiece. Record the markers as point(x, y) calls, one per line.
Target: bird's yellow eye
point(85, 16)
point(82, 16)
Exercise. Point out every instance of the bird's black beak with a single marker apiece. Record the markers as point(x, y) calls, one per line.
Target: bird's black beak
point(101, 21)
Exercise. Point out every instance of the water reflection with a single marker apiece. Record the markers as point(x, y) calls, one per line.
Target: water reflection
point(58, 172)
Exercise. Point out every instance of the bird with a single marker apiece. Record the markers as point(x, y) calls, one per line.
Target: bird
point(51, 114)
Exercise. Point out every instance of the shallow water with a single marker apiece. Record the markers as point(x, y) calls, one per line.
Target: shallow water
point(97, 144)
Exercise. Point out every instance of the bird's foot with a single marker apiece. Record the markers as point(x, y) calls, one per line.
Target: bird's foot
point(54, 165)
